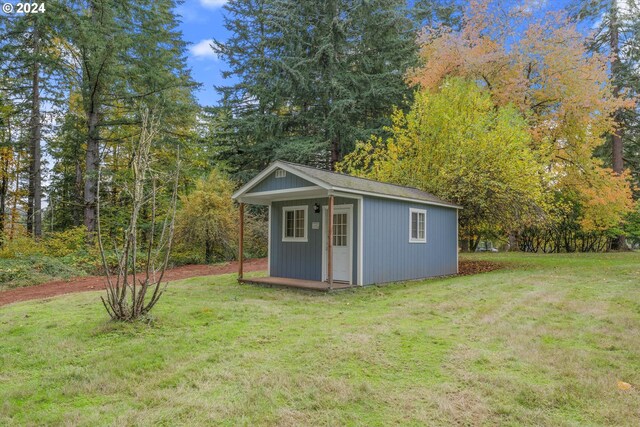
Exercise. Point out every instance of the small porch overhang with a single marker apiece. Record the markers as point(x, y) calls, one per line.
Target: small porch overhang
point(267, 197)
point(287, 282)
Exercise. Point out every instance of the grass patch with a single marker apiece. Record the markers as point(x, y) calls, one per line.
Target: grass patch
point(540, 343)
point(34, 269)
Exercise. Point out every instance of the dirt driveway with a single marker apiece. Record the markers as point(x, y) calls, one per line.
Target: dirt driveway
point(93, 283)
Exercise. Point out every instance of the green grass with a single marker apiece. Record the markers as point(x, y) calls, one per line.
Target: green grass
point(540, 343)
point(34, 269)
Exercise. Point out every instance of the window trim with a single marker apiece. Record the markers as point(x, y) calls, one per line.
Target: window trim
point(286, 209)
point(418, 211)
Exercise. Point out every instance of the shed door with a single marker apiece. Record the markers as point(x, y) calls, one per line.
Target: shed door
point(342, 236)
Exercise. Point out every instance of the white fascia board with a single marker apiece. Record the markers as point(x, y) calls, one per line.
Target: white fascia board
point(386, 196)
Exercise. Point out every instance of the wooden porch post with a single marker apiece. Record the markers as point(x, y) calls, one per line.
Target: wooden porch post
point(240, 243)
point(330, 243)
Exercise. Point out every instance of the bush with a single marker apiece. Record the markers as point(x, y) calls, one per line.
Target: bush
point(63, 243)
point(20, 247)
point(34, 269)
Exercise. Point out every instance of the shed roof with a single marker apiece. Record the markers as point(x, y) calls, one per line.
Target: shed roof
point(347, 183)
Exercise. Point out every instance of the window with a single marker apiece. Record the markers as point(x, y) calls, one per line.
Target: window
point(417, 226)
point(340, 229)
point(281, 173)
point(294, 224)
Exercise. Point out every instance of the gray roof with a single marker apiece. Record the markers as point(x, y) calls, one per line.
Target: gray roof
point(347, 182)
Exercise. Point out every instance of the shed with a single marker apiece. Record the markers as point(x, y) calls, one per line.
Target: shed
point(380, 232)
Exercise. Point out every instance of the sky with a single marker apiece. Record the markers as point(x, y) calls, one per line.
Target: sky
point(203, 21)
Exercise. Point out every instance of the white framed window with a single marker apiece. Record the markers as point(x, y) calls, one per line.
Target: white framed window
point(280, 173)
point(417, 225)
point(294, 223)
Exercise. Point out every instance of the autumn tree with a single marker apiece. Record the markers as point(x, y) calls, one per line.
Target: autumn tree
point(456, 143)
point(207, 217)
point(616, 34)
point(548, 74)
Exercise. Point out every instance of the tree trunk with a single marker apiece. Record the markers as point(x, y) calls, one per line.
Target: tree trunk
point(14, 209)
point(617, 162)
point(617, 148)
point(34, 203)
point(92, 160)
point(78, 194)
point(92, 155)
point(335, 154)
point(4, 189)
point(513, 242)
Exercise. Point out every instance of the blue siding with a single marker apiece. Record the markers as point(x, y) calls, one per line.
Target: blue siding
point(270, 183)
point(388, 255)
point(303, 260)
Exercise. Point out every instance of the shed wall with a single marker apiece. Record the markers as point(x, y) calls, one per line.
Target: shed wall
point(303, 260)
point(271, 183)
point(388, 255)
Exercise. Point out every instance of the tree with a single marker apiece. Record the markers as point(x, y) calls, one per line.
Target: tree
point(207, 218)
point(617, 34)
point(549, 76)
point(312, 77)
point(457, 144)
point(29, 59)
point(126, 296)
point(127, 53)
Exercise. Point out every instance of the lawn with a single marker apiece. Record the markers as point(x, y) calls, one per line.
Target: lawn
point(541, 342)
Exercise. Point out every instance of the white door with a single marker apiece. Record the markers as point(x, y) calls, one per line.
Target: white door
point(342, 243)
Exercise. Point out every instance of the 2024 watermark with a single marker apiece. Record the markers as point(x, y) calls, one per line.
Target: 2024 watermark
point(23, 8)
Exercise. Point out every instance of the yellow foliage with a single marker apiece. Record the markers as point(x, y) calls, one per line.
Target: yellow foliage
point(20, 246)
point(547, 74)
point(457, 144)
point(208, 218)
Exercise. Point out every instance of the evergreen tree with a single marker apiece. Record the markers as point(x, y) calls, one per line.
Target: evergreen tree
point(30, 61)
point(313, 77)
point(127, 54)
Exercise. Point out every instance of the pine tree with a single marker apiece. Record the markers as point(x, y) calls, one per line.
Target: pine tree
point(128, 54)
point(313, 77)
point(29, 58)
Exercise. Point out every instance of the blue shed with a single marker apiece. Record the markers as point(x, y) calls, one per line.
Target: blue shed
point(379, 232)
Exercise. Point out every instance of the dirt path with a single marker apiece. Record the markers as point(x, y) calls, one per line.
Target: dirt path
point(93, 283)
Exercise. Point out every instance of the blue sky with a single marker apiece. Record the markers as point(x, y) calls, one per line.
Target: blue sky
point(203, 20)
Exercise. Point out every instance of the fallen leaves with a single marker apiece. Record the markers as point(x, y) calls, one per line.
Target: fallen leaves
point(624, 386)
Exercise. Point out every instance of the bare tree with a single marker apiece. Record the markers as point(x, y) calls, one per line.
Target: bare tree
point(132, 292)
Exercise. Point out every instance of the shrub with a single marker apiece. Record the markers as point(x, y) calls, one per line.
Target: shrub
point(20, 247)
point(34, 269)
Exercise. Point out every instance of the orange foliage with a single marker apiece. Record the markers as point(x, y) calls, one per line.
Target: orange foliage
point(548, 75)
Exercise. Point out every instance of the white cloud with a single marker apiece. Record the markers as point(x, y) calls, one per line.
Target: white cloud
point(203, 49)
point(212, 4)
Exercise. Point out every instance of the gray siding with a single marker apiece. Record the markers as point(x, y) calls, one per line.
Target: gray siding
point(270, 183)
point(303, 260)
point(388, 255)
